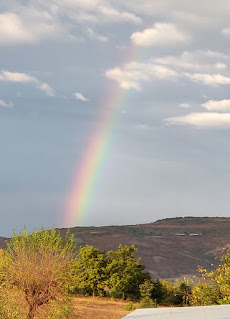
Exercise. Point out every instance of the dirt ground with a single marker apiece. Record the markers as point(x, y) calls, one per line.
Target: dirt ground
point(99, 308)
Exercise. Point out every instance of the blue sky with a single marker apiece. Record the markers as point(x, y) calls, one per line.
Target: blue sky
point(169, 155)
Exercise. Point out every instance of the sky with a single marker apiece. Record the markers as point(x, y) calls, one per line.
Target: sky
point(148, 80)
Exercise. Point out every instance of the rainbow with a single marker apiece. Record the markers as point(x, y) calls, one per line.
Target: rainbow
point(90, 168)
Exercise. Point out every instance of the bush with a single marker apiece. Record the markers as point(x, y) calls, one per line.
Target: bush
point(204, 295)
point(147, 302)
point(145, 290)
point(130, 306)
point(39, 266)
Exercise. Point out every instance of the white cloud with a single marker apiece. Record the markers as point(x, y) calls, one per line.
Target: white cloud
point(33, 21)
point(133, 74)
point(96, 36)
point(209, 79)
point(4, 104)
point(110, 14)
point(12, 30)
point(215, 105)
point(46, 88)
point(162, 34)
point(202, 120)
point(96, 11)
point(28, 25)
point(24, 22)
point(212, 63)
point(210, 14)
point(225, 32)
point(7, 76)
point(17, 77)
point(80, 97)
point(196, 61)
point(185, 106)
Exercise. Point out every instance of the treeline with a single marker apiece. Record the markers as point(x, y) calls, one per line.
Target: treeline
point(118, 274)
point(39, 273)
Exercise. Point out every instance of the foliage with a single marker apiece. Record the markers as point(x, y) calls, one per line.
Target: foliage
point(8, 308)
point(146, 288)
point(171, 293)
point(147, 302)
point(204, 294)
point(125, 273)
point(91, 269)
point(145, 291)
point(42, 266)
point(185, 290)
point(130, 306)
point(216, 286)
point(63, 310)
point(159, 291)
point(38, 265)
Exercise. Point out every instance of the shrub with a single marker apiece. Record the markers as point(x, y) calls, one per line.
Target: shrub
point(130, 306)
point(39, 266)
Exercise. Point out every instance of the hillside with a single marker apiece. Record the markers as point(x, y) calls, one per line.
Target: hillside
point(169, 248)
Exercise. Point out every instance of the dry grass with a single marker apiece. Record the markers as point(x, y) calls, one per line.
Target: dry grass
point(84, 307)
point(99, 308)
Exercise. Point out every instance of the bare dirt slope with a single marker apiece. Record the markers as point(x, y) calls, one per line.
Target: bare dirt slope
point(169, 248)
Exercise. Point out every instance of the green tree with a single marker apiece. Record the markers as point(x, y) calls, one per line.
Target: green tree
point(159, 291)
point(204, 294)
point(124, 271)
point(91, 269)
point(171, 293)
point(215, 288)
point(145, 290)
point(38, 265)
point(185, 290)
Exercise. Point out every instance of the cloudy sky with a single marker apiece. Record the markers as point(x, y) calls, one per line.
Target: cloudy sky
point(63, 65)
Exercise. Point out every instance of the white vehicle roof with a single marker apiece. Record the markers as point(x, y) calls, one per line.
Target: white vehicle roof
point(205, 312)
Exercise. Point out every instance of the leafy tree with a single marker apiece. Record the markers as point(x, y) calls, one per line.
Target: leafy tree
point(124, 271)
point(91, 268)
point(145, 290)
point(216, 286)
point(204, 294)
point(159, 291)
point(38, 265)
point(185, 290)
point(171, 293)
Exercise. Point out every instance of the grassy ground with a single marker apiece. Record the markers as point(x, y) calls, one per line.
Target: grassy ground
point(96, 308)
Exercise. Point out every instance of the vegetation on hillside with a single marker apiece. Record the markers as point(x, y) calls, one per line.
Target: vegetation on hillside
point(39, 271)
point(42, 271)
